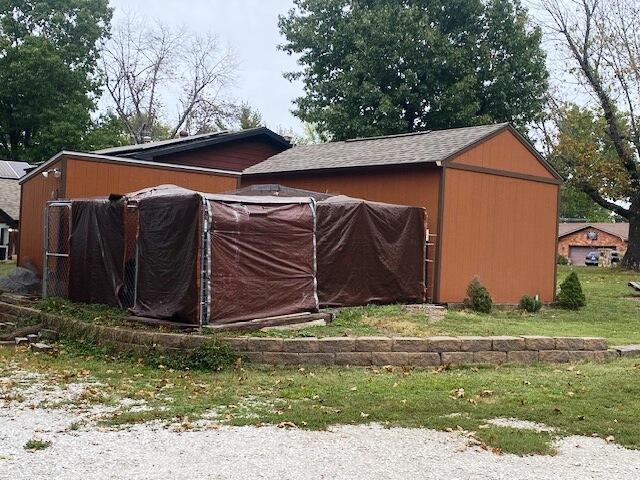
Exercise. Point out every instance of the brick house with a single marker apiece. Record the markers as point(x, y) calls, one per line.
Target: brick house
point(576, 240)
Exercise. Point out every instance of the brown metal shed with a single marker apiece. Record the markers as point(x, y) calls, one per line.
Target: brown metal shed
point(491, 198)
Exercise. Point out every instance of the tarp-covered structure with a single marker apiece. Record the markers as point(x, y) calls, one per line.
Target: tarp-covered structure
point(368, 252)
point(235, 257)
point(199, 258)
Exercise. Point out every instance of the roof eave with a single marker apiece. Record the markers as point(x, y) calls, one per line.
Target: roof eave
point(338, 169)
point(124, 161)
point(152, 153)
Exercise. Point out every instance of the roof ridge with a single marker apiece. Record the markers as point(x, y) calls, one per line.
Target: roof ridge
point(422, 132)
point(393, 135)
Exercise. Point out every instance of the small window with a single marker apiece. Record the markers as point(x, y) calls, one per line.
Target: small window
point(592, 235)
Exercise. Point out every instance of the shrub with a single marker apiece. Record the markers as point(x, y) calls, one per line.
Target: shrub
point(571, 295)
point(478, 298)
point(562, 260)
point(530, 304)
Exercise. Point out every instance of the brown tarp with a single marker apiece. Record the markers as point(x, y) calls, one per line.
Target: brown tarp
point(369, 252)
point(96, 252)
point(262, 259)
point(168, 248)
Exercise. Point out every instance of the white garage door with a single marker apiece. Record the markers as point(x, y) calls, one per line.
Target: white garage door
point(579, 254)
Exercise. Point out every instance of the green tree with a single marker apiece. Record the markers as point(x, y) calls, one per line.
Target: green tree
point(248, 117)
point(601, 150)
point(105, 132)
point(584, 154)
point(48, 82)
point(373, 67)
point(576, 205)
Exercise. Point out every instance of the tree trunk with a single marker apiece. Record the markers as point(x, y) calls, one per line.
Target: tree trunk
point(631, 259)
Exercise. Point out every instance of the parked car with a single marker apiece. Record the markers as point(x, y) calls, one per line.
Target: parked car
point(592, 259)
point(615, 256)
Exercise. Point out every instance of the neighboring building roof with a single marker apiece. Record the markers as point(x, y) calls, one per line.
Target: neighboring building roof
point(620, 230)
point(431, 146)
point(10, 197)
point(13, 170)
point(147, 151)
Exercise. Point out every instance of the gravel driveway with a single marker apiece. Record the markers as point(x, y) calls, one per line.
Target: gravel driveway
point(206, 451)
point(155, 452)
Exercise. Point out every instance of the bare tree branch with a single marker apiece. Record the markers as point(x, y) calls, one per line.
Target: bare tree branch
point(144, 64)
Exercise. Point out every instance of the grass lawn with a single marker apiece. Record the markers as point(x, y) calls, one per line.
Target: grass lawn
point(585, 399)
point(6, 267)
point(611, 312)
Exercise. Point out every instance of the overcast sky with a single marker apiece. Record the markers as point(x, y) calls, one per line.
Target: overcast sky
point(250, 27)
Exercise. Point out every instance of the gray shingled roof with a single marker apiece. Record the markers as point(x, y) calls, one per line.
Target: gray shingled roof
point(10, 197)
point(422, 147)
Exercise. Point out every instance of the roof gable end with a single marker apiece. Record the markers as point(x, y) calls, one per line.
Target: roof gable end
point(434, 146)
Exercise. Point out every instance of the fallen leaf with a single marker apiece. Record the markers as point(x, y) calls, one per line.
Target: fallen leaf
point(287, 425)
point(459, 393)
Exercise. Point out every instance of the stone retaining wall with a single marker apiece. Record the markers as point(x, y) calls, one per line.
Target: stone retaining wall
point(357, 351)
point(420, 352)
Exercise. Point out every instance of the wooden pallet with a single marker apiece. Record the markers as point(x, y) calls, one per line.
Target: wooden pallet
point(258, 323)
point(246, 326)
point(156, 322)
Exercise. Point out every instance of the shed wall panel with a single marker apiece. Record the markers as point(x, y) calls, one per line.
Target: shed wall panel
point(501, 229)
point(229, 156)
point(412, 186)
point(504, 152)
point(35, 193)
point(91, 178)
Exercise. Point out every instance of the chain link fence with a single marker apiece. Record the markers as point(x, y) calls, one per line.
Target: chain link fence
point(127, 293)
point(57, 232)
point(57, 246)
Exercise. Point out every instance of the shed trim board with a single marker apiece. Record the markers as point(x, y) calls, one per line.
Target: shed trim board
point(502, 173)
point(555, 265)
point(437, 266)
point(125, 161)
point(523, 140)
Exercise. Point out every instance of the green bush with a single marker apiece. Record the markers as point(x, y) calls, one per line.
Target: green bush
point(478, 298)
point(562, 260)
point(571, 295)
point(530, 304)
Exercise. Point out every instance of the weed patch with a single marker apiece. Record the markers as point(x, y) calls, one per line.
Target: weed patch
point(35, 445)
